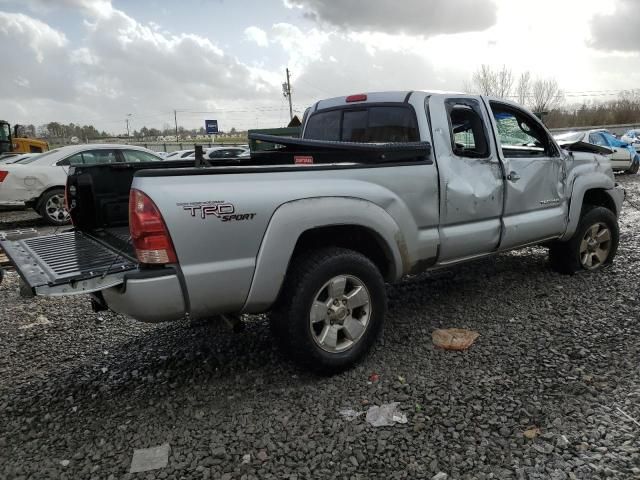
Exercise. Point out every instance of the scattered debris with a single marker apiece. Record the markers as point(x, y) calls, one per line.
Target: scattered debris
point(64, 463)
point(349, 414)
point(152, 458)
point(531, 432)
point(40, 320)
point(628, 416)
point(562, 442)
point(262, 455)
point(454, 338)
point(104, 369)
point(385, 415)
point(374, 378)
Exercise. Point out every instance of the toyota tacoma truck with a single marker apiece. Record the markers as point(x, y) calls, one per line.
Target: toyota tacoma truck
point(378, 186)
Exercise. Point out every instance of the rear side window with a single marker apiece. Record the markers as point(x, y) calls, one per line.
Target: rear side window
point(136, 156)
point(324, 126)
point(375, 124)
point(468, 132)
point(91, 157)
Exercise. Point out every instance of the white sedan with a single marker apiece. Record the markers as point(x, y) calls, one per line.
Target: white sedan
point(38, 182)
point(220, 153)
point(7, 159)
point(623, 157)
point(179, 154)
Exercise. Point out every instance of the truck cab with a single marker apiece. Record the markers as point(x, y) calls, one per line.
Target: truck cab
point(380, 186)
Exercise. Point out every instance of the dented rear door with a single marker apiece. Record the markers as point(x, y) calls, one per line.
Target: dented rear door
point(470, 176)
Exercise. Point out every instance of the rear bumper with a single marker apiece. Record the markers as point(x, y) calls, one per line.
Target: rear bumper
point(154, 296)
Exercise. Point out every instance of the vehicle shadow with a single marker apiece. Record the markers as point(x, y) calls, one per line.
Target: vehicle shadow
point(171, 358)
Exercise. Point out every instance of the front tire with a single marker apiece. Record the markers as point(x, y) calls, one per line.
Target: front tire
point(633, 169)
point(51, 208)
point(331, 310)
point(593, 245)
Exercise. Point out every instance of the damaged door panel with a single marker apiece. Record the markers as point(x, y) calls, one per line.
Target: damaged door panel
point(536, 205)
point(471, 185)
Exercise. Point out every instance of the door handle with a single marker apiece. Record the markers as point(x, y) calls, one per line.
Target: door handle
point(513, 177)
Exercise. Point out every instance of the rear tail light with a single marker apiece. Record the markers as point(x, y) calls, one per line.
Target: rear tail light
point(149, 233)
point(3, 175)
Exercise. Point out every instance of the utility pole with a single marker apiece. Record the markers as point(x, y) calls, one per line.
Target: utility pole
point(175, 119)
point(127, 120)
point(286, 91)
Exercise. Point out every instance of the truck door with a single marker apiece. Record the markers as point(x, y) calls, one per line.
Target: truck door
point(535, 202)
point(470, 176)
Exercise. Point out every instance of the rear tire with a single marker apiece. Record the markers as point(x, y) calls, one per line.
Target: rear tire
point(51, 208)
point(331, 310)
point(593, 245)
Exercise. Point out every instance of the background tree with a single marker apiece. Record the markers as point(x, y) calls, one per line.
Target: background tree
point(545, 95)
point(493, 82)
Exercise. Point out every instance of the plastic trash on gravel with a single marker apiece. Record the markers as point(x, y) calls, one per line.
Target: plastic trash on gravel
point(385, 415)
point(152, 458)
point(349, 414)
point(454, 338)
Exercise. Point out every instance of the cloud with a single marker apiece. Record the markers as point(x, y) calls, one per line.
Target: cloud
point(35, 48)
point(256, 35)
point(120, 66)
point(415, 17)
point(96, 7)
point(338, 64)
point(618, 29)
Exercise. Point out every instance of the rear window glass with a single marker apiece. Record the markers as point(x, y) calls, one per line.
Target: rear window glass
point(324, 126)
point(371, 125)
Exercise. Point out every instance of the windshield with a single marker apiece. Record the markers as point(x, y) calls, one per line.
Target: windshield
point(570, 137)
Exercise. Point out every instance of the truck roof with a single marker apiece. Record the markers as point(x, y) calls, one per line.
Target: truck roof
point(376, 97)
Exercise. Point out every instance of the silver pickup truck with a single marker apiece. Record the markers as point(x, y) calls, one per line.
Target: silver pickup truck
point(379, 186)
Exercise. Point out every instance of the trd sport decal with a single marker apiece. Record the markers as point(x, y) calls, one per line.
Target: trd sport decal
point(225, 211)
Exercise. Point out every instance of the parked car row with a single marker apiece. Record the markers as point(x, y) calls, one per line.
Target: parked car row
point(38, 180)
point(624, 156)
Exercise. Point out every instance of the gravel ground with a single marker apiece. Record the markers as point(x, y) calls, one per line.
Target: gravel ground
point(80, 391)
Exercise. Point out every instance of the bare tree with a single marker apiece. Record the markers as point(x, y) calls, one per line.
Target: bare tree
point(545, 95)
point(493, 82)
point(523, 88)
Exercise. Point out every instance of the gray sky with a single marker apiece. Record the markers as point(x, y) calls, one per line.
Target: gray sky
point(95, 61)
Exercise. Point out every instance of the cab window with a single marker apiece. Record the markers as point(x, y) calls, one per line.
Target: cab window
point(520, 135)
point(367, 124)
point(468, 132)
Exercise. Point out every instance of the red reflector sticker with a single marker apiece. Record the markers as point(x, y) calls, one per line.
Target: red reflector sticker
point(303, 160)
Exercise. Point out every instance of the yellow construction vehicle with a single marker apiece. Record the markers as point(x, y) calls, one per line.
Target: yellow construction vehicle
point(16, 144)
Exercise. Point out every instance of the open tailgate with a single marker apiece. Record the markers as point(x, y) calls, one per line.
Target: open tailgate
point(67, 263)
